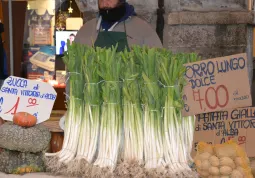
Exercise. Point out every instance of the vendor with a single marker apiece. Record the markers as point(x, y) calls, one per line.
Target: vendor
point(117, 24)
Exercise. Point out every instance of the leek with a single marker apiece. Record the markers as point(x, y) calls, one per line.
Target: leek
point(132, 112)
point(111, 118)
point(75, 104)
point(91, 116)
point(151, 96)
point(176, 128)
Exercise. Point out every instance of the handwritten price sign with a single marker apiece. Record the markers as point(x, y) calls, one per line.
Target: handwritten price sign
point(216, 84)
point(222, 126)
point(22, 95)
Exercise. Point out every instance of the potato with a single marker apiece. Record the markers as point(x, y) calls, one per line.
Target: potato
point(214, 161)
point(236, 174)
point(204, 156)
point(225, 170)
point(205, 165)
point(203, 173)
point(226, 161)
point(214, 171)
point(241, 170)
point(225, 151)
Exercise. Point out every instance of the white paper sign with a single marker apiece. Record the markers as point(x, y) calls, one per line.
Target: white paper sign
point(22, 95)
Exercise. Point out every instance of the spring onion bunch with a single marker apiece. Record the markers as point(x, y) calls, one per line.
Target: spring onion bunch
point(132, 112)
point(171, 70)
point(149, 126)
point(111, 118)
point(75, 103)
point(151, 99)
point(91, 116)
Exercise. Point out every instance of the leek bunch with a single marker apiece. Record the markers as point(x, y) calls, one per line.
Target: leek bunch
point(111, 117)
point(142, 113)
point(91, 116)
point(177, 147)
point(151, 100)
point(132, 111)
point(75, 104)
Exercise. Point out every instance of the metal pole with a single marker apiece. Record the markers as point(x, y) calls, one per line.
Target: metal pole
point(11, 37)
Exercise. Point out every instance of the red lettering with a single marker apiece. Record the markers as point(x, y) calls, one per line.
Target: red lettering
point(15, 107)
point(216, 91)
point(241, 140)
point(199, 97)
point(206, 98)
point(227, 96)
point(32, 102)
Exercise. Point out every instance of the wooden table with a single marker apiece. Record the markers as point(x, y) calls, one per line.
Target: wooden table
point(57, 134)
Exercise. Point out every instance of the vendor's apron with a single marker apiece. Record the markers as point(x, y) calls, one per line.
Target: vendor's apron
point(108, 39)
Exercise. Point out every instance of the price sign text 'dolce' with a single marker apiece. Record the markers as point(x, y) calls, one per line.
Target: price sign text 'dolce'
point(216, 84)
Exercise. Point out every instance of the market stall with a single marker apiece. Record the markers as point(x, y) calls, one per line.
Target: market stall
point(144, 112)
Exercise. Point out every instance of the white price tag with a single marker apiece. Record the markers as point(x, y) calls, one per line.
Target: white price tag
point(22, 95)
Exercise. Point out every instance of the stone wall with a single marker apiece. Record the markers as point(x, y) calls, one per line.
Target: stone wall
point(210, 34)
point(207, 40)
point(204, 5)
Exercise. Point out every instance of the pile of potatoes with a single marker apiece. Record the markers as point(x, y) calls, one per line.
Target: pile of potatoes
point(222, 161)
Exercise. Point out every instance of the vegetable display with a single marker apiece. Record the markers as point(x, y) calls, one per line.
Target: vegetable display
point(125, 108)
point(225, 160)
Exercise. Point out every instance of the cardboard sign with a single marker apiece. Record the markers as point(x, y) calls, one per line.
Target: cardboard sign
point(22, 95)
point(216, 84)
point(219, 127)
